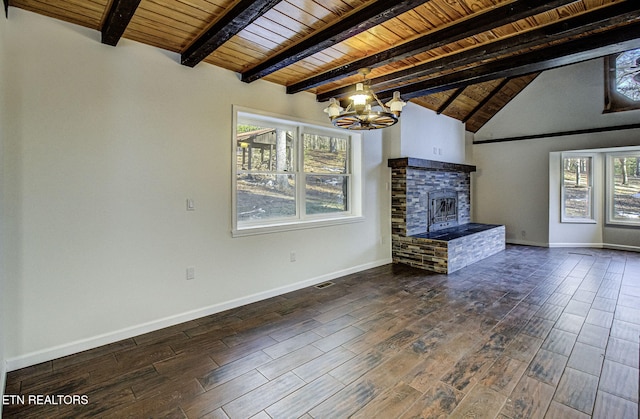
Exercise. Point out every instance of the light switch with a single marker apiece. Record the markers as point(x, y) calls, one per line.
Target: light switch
point(190, 206)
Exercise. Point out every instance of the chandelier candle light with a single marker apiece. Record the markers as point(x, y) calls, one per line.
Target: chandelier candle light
point(359, 115)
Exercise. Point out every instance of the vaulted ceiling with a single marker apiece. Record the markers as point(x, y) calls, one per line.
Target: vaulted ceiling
point(463, 58)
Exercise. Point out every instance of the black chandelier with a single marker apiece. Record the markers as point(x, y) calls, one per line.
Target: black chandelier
point(365, 111)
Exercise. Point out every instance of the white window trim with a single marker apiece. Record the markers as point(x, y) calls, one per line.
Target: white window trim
point(353, 215)
point(609, 159)
point(563, 217)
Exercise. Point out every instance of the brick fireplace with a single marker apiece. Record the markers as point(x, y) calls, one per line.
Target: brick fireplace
point(431, 217)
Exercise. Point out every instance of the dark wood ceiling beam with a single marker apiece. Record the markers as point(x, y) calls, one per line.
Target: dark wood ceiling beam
point(450, 100)
point(610, 16)
point(593, 46)
point(479, 117)
point(239, 17)
point(486, 99)
point(371, 15)
point(493, 18)
point(6, 8)
point(560, 134)
point(117, 19)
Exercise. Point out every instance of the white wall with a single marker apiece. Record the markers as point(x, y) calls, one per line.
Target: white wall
point(4, 230)
point(422, 133)
point(511, 188)
point(512, 183)
point(107, 144)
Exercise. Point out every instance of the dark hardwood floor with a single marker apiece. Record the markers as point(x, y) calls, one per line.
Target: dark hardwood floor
point(529, 332)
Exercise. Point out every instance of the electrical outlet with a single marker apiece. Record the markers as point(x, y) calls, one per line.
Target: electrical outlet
point(292, 256)
point(191, 273)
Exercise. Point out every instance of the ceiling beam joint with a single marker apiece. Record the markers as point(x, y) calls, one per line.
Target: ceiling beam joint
point(450, 100)
point(486, 99)
point(231, 23)
point(117, 19)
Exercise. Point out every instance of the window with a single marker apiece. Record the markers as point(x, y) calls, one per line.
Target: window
point(292, 174)
point(326, 170)
point(577, 188)
point(622, 81)
point(623, 188)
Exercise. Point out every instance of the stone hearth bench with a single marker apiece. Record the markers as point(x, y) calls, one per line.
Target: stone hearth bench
point(448, 250)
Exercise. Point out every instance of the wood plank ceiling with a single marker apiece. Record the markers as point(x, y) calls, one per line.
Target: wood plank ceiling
point(463, 58)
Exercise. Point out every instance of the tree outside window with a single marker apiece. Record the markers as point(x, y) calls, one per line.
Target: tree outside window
point(577, 188)
point(266, 179)
point(623, 179)
point(326, 167)
point(622, 81)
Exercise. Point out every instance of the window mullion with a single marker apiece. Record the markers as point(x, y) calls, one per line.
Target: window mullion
point(302, 181)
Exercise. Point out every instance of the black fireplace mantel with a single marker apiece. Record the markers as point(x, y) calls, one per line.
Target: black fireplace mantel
point(439, 166)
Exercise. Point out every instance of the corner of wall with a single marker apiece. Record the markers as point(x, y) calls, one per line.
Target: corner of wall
point(3, 99)
point(468, 147)
point(391, 140)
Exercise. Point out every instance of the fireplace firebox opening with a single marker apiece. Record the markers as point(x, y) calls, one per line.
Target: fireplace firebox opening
point(443, 210)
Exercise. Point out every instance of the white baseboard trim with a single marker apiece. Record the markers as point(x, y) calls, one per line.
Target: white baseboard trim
point(525, 243)
point(581, 245)
point(598, 246)
point(49, 354)
point(622, 247)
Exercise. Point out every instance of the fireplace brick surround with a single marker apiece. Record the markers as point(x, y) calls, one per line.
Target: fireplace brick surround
point(445, 250)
